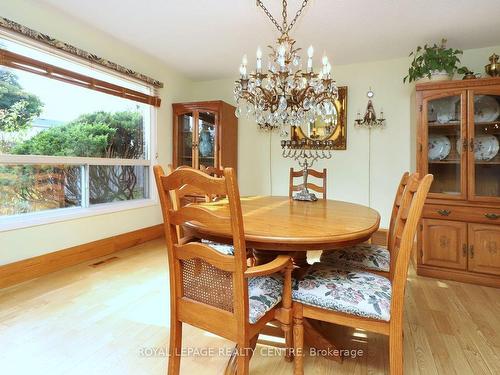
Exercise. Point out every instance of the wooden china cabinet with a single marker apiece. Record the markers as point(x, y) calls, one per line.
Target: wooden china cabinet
point(205, 135)
point(458, 142)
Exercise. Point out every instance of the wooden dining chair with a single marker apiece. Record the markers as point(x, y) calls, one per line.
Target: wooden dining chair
point(311, 172)
point(212, 171)
point(369, 256)
point(181, 197)
point(214, 290)
point(361, 299)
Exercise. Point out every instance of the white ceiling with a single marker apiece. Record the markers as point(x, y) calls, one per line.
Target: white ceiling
point(205, 39)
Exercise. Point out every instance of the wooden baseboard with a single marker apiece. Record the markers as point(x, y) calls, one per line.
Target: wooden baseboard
point(27, 269)
point(380, 237)
point(460, 276)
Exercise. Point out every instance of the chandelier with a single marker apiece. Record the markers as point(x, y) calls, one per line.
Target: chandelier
point(286, 95)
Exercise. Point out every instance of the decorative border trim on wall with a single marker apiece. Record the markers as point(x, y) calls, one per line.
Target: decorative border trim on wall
point(27, 269)
point(68, 48)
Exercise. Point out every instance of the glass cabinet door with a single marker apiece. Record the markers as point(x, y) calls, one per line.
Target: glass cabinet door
point(185, 131)
point(484, 137)
point(207, 140)
point(443, 150)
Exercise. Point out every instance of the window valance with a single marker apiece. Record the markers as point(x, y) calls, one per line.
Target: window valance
point(68, 48)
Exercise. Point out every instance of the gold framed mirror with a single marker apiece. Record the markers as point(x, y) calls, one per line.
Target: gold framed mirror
point(334, 130)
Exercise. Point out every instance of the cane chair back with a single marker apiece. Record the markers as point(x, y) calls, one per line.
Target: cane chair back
point(311, 186)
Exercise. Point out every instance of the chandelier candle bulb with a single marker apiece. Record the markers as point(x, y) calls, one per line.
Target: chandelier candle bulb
point(328, 69)
point(243, 71)
point(310, 53)
point(259, 60)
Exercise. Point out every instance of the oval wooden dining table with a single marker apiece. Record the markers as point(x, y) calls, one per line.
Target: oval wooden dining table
point(279, 224)
point(275, 225)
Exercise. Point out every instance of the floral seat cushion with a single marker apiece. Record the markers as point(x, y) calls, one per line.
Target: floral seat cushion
point(220, 247)
point(345, 290)
point(365, 256)
point(264, 292)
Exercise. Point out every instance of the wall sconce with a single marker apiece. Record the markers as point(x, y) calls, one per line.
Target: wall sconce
point(370, 120)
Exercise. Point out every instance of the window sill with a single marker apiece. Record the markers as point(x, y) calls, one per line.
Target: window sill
point(66, 214)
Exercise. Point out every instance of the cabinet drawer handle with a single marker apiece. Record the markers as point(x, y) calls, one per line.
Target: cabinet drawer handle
point(464, 250)
point(471, 251)
point(492, 216)
point(444, 212)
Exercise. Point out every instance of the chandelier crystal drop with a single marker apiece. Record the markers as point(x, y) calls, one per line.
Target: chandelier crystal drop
point(286, 94)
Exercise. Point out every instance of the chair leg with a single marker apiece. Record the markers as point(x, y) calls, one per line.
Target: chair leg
point(396, 352)
point(286, 326)
point(174, 359)
point(298, 339)
point(288, 342)
point(243, 358)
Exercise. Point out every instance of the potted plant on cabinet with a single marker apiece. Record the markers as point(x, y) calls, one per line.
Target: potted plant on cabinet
point(434, 62)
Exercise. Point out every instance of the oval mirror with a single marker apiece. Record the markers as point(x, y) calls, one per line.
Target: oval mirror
point(331, 128)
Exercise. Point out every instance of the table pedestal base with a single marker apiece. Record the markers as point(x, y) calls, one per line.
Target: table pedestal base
point(299, 258)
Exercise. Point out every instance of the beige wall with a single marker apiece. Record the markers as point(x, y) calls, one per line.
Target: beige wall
point(262, 170)
point(25, 243)
point(392, 148)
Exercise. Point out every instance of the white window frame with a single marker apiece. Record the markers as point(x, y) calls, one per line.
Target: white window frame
point(31, 219)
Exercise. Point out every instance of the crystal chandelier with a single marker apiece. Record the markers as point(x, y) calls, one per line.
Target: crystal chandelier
point(286, 94)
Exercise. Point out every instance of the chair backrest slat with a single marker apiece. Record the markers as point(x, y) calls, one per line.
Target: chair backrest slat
point(395, 207)
point(196, 179)
point(212, 171)
point(401, 218)
point(406, 225)
point(311, 172)
point(203, 216)
point(196, 250)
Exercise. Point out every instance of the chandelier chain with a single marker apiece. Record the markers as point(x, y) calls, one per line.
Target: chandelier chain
point(299, 12)
point(285, 28)
point(270, 16)
point(285, 15)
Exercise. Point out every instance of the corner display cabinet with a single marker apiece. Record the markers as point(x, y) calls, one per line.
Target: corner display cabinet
point(205, 135)
point(458, 142)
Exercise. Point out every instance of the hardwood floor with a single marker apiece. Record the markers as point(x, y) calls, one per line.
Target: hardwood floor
point(111, 318)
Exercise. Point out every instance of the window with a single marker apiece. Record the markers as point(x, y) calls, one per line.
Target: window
point(72, 137)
